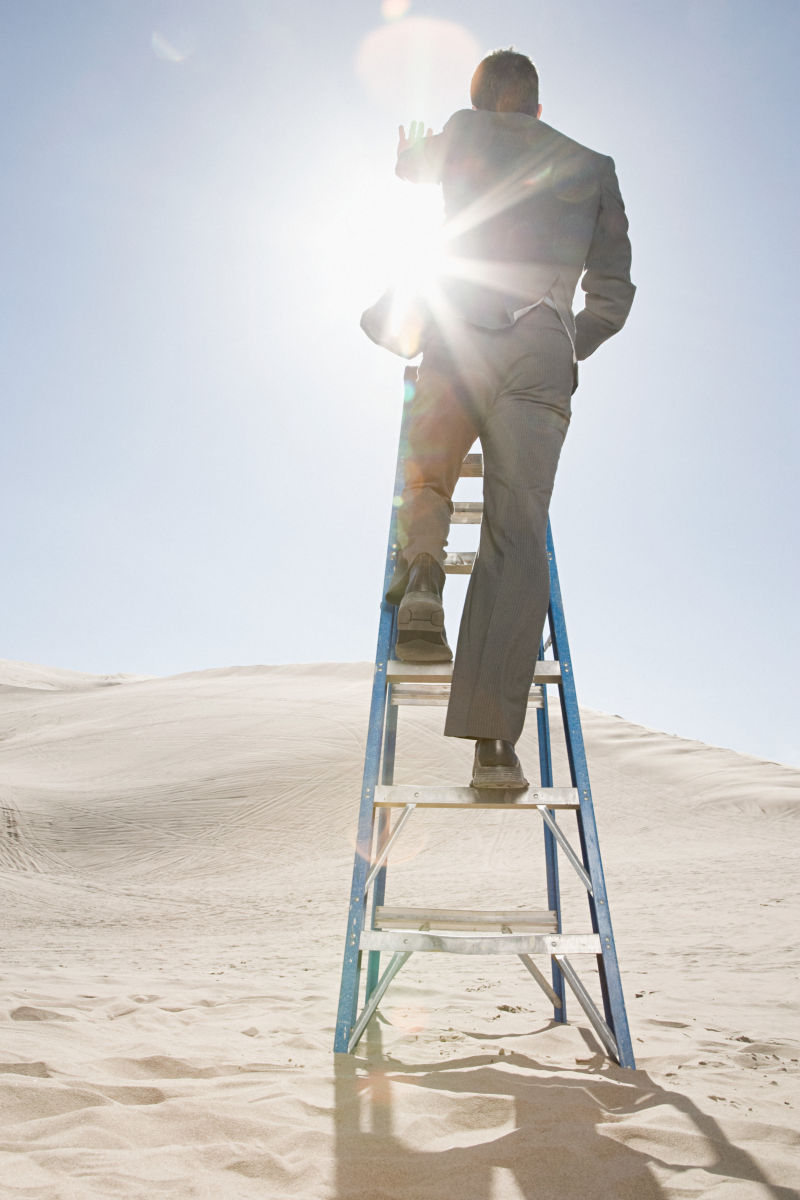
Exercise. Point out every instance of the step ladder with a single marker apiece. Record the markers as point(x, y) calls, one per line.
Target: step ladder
point(374, 927)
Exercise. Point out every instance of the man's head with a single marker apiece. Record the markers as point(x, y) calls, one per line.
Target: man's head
point(506, 82)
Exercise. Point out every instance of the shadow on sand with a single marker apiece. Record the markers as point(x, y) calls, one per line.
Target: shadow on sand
point(562, 1144)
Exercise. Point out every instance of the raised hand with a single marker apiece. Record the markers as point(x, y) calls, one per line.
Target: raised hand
point(416, 132)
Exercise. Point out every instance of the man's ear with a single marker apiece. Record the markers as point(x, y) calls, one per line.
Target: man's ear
point(538, 112)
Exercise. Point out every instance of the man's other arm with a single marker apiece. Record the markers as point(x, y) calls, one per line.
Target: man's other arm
point(607, 278)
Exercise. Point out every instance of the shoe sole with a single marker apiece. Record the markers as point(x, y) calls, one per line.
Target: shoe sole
point(417, 650)
point(498, 777)
point(420, 612)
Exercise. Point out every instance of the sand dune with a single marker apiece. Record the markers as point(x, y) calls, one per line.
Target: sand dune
point(175, 859)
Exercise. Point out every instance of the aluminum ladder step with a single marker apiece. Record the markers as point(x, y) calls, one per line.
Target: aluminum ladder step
point(472, 920)
point(547, 671)
point(438, 694)
point(467, 512)
point(472, 467)
point(400, 941)
point(400, 795)
point(460, 562)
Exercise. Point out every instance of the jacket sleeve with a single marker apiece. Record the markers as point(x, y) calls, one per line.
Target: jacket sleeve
point(607, 278)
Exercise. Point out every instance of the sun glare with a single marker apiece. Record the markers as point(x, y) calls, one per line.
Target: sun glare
point(377, 233)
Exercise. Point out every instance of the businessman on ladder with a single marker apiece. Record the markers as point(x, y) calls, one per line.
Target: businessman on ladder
point(528, 212)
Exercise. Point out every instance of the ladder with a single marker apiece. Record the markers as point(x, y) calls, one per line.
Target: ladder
point(374, 927)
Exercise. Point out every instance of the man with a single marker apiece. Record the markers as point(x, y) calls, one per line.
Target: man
point(528, 212)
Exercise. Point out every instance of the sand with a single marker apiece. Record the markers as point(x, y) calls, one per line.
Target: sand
point(175, 861)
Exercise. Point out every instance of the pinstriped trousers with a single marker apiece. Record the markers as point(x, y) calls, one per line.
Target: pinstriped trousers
point(511, 389)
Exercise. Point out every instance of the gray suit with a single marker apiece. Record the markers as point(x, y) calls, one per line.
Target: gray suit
point(529, 211)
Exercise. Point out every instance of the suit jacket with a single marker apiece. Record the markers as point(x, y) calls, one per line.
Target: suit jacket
point(528, 212)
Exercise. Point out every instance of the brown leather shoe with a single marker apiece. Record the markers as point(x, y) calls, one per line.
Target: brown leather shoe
point(496, 765)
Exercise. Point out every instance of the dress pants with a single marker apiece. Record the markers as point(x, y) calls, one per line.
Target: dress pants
point(511, 389)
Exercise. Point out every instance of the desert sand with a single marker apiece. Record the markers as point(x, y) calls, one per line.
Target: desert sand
point(175, 862)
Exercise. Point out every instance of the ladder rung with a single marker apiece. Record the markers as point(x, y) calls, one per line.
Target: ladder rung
point(400, 794)
point(460, 562)
point(486, 943)
point(433, 694)
point(543, 921)
point(467, 512)
point(472, 466)
point(547, 671)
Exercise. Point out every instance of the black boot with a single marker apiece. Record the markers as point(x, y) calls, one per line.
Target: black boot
point(420, 618)
point(496, 765)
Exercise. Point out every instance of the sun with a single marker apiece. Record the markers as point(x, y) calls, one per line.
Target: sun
point(401, 230)
point(379, 232)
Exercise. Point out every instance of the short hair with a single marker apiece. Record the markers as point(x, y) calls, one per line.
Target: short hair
point(506, 82)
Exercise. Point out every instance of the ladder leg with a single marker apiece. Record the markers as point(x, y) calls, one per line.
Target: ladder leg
point(351, 967)
point(378, 895)
point(390, 738)
point(587, 1004)
point(610, 981)
point(601, 970)
point(387, 777)
point(528, 962)
point(550, 849)
point(394, 966)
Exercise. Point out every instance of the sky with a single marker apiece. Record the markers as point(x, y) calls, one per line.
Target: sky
point(198, 443)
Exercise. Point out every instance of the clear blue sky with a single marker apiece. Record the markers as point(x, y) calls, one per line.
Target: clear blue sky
point(198, 442)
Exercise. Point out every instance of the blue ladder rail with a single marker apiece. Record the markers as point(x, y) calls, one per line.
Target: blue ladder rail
point(370, 866)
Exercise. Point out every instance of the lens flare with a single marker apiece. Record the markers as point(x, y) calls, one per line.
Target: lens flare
point(436, 266)
point(412, 842)
point(169, 49)
point(393, 10)
point(410, 1020)
point(419, 67)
